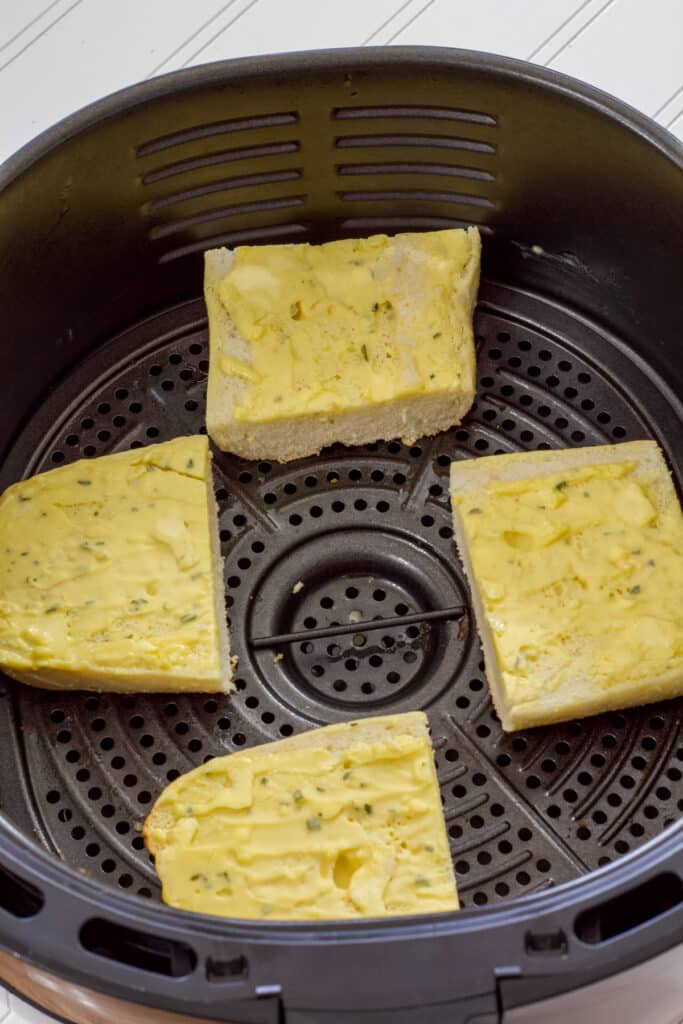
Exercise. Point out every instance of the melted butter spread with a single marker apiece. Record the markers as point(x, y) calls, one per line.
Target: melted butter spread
point(105, 565)
point(581, 576)
point(335, 326)
point(307, 833)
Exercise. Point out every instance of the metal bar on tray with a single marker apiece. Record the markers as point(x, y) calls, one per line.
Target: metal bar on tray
point(456, 612)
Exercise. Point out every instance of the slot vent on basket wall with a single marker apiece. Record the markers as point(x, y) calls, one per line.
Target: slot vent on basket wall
point(224, 156)
point(410, 139)
point(417, 169)
point(422, 113)
point(415, 196)
point(394, 224)
point(223, 212)
point(225, 185)
point(204, 131)
point(185, 176)
point(265, 235)
point(403, 191)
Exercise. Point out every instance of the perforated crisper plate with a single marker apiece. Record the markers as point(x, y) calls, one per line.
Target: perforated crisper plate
point(367, 532)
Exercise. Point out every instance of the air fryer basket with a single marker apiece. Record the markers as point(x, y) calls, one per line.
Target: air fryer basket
point(103, 221)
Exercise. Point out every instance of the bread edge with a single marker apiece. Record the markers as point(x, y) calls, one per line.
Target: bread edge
point(225, 662)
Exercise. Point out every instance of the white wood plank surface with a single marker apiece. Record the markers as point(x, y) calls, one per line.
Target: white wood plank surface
point(633, 49)
point(271, 25)
point(514, 29)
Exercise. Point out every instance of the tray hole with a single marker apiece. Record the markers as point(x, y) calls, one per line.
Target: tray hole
point(630, 909)
point(137, 949)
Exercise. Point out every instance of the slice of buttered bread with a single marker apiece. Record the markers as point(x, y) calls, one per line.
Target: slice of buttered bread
point(343, 821)
point(350, 341)
point(575, 562)
point(112, 574)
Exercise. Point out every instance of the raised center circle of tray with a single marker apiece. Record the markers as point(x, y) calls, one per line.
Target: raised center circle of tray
point(346, 574)
point(366, 532)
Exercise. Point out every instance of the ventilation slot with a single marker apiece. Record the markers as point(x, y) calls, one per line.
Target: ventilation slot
point(226, 185)
point(392, 225)
point(630, 909)
point(223, 157)
point(221, 213)
point(428, 113)
point(423, 141)
point(416, 196)
point(17, 897)
point(138, 949)
point(265, 235)
point(445, 170)
point(205, 131)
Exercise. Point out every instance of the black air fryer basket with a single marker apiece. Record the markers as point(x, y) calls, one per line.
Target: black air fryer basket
point(566, 841)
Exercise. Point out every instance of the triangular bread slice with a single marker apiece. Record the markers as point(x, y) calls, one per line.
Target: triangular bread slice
point(575, 564)
point(343, 821)
point(112, 574)
point(376, 343)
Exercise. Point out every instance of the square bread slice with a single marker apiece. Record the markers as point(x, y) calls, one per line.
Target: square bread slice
point(575, 563)
point(112, 574)
point(339, 822)
point(351, 341)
